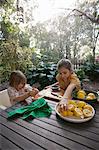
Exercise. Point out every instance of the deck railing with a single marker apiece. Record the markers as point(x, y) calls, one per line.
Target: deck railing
point(77, 64)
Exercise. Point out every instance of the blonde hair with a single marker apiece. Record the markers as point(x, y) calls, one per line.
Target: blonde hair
point(65, 63)
point(16, 78)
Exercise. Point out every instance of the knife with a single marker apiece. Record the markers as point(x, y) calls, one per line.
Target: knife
point(55, 94)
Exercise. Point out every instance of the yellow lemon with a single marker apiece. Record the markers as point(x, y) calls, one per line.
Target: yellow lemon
point(81, 95)
point(72, 102)
point(88, 107)
point(78, 112)
point(71, 107)
point(81, 91)
point(64, 113)
point(81, 104)
point(92, 95)
point(87, 113)
point(81, 108)
point(69, 113)
point(89, 98)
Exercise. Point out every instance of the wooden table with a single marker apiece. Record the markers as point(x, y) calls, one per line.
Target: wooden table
point(48, 133)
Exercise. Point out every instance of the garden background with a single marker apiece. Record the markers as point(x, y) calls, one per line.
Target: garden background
point(36, 47)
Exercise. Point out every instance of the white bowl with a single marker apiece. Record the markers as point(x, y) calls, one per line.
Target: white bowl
point(73, 118)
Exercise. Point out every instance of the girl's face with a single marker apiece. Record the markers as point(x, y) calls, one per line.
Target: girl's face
point(64, 73)
point(20, 86)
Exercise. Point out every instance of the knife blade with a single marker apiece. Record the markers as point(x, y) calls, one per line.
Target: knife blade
point(55, 94)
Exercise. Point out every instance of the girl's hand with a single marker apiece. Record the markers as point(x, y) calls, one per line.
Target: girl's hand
point(63, 104)
point(34, 92)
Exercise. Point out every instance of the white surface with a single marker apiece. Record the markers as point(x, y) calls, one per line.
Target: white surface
point(47, 93)
point(3, 107)
point(4, 98)
point(74, 119)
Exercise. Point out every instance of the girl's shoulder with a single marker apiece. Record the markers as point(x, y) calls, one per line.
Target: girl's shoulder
point(11, 90)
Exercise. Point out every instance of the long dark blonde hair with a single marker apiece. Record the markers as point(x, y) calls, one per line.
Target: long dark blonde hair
point(16, 78)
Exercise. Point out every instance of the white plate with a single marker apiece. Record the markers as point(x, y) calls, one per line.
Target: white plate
point(74, 119)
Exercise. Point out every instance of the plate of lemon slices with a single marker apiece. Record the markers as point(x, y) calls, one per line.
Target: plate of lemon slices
point(77, 111)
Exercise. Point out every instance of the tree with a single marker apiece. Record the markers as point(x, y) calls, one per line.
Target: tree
point(91, 13)
point(24, 39)
point(14, 48)
point(87, 11)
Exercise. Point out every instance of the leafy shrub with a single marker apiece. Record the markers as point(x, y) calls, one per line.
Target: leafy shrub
point(81, 74)
point(91, 70)
point(44, 74)
point(13, 57)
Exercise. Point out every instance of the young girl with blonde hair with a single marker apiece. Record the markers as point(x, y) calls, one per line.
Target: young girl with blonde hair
point(18, 89)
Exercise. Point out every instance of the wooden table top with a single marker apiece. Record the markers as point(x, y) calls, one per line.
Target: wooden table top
point(51, 133)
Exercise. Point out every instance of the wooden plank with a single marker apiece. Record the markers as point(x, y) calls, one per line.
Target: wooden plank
point(88, 135)
point(82, 126)
point(62, 133)
point(83, 132)
point(57, 135)
point(90, 123)
point(7, 145)
point(88, 126)
point(30, 136)
point(18, 139)
point(86, 138)
point(41, 127)
point(71, 126)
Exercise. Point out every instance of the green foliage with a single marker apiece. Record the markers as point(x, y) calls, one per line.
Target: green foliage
point(45, 74)
point(52, 40)
point(13, 57)
point(24, 40)
point(8, 29)
point(6, 3)
point(49, 55)
point(81, 74)
point(14, 47)
point(91, 70)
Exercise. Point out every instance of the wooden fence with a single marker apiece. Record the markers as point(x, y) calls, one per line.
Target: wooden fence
point(77, 64)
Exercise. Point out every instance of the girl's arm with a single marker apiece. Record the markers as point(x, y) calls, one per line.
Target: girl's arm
point(68, 91)
point(67, 96)
point(21, 97)
point(26, 95)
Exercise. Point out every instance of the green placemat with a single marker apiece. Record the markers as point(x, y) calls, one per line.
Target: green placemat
point(36, 109)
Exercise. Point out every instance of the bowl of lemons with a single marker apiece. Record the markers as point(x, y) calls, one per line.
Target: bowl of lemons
point(77, 111)
point(85, 95)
